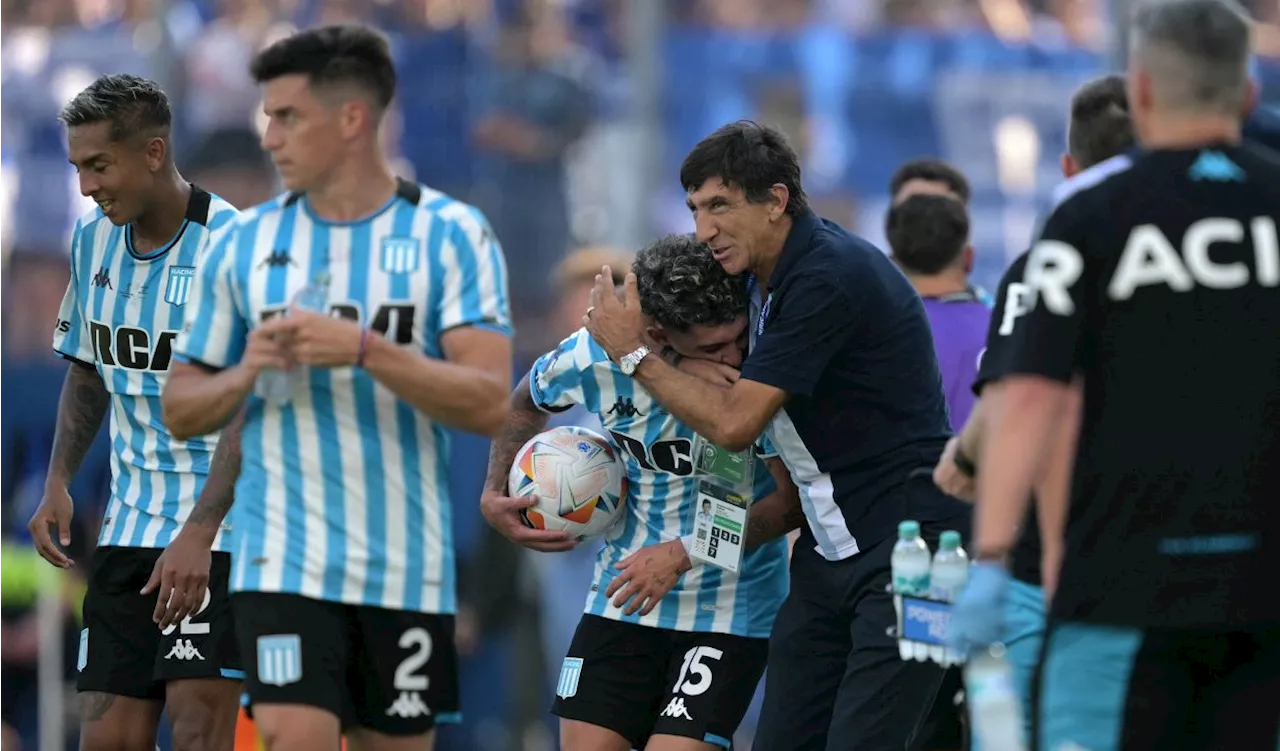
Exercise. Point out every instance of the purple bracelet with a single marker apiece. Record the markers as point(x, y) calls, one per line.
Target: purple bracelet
point(364, 341)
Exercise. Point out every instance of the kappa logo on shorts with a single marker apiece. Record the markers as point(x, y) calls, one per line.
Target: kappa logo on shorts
point(184, 650)
point(408, 705)
point(570, 671)
point(280, 659)
point(676, 708)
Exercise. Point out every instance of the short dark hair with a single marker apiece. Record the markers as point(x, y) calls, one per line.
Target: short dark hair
point(748, 156)
point(330, 55)
point(682, 285)
point(132, 105)
point(933, 170)
point(1100, 125)
point(927, 232)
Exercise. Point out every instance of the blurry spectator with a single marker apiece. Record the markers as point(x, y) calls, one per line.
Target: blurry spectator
point(231, 163)
point(535, 107)
point(929, 235)
point(929, 176)
point(220, 92)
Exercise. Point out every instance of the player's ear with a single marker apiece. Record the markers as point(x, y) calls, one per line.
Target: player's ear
point(968, 256)
point(1250, 96)
point(657, 335)
point(1068, 166)
point(156, 150)
point(352, 117)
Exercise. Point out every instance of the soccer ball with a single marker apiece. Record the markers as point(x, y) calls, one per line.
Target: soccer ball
point(578, 480)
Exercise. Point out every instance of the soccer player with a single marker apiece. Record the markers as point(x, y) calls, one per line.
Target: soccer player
point(133, 263)
point(929, 237)
point(1099, 129)
point(1155, 280)
point(843, 376)
point(674, 666)
point(344, 569)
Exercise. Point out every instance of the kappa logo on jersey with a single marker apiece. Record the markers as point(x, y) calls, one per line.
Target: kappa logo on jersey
point(179, 287)
point(131, 348)
point(674, 455)
point(408, 705)
point(1217, 167)
point(280, 659)
point(400, 254)
point(570, 672)
point(102, 278)
point(277, 259)
point(184, 650)
point(624, 408)
point(676, 708)
point(1149, 258)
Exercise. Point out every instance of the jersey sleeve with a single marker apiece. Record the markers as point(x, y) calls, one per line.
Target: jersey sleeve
point(215, 329)
point(566, 376)
point(764, 483)
point(475, 278)
point(71, 337)
point(1013, 301)
point(1062, 280)
point(811, 324)
point(765, 448)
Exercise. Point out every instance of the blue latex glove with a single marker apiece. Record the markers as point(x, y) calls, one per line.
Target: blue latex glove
point(977, 617)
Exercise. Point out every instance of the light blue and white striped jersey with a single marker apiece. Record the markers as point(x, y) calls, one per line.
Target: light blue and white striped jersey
point(120, 315)
point(662, 498)
point(343, 491)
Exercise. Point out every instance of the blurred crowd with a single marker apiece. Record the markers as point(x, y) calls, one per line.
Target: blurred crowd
point(565, 122)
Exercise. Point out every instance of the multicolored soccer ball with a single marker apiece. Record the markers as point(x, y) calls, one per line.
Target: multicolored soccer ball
point(578, 478)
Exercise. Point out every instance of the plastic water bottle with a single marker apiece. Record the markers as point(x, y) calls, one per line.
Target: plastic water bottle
point(947, 577)
point(277, 386)
point(909, 564)
point(994, 707)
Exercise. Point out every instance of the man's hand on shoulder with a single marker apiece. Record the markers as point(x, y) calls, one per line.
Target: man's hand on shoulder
point(615, 321)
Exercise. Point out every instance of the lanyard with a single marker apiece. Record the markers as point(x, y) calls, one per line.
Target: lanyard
point(764, 307)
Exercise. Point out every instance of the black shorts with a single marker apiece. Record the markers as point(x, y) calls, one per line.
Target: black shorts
point(392, 671)
point(1110, 687)
point(640, 680)
point(123, 652)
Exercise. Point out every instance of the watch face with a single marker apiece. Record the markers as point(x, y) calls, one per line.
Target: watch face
point(628, 365)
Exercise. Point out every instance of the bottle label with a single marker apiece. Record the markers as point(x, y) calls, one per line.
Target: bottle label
point(924, 621)
point(911, 585)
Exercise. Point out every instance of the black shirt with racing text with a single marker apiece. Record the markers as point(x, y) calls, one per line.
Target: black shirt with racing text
point(1157, 279)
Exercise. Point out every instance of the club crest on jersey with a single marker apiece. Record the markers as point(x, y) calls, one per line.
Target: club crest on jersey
point(400, 254)
point(178, 289)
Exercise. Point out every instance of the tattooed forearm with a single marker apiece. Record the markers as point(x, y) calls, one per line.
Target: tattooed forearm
point(523, 422)
point(774, 516)
point(83, 404)
point(219, 490)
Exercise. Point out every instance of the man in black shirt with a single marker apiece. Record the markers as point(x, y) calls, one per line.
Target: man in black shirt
point(1156, 282)
point(1013, 611)
point(843, 376)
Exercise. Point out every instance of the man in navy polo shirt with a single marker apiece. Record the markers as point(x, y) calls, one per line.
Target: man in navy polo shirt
point(842, 375)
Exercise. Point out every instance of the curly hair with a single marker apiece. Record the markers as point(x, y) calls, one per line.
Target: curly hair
point(682, 285)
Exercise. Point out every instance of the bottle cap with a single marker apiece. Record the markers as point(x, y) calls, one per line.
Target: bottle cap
point(950, 539)
point(908, 530)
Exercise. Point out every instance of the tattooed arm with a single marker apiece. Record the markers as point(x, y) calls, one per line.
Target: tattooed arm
point(219, 489)
point(181, 574)
point(777, 513)
point(83, 404)
point(81, 409)
point(523, 421)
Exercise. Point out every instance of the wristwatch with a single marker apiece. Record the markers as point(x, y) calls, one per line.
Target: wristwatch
point(629, 362)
